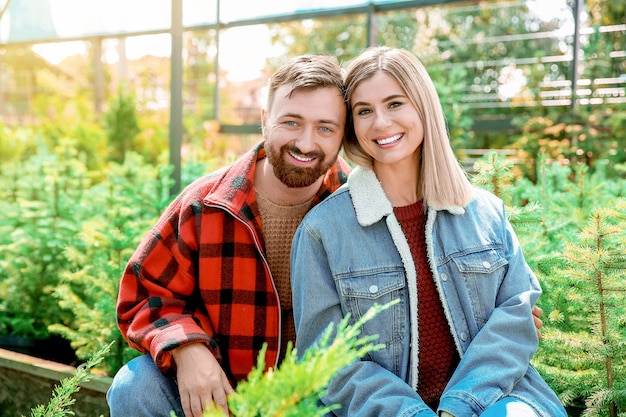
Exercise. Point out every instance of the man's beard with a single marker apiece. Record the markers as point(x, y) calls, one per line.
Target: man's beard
point(294, 176)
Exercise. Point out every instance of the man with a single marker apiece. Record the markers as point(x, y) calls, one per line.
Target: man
point(210, 283)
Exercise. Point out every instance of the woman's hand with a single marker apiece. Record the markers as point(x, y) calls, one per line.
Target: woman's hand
point(537, 313)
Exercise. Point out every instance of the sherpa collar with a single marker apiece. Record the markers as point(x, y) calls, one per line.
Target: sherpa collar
point(369, 199)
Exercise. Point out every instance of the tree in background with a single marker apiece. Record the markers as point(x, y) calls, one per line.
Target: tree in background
point(584, 350)
point(120, 210)
point(572, 230)
point(342, 37)
point(120, 122)
point(41, 206)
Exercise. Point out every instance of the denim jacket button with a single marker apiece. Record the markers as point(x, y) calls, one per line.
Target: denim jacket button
point(374, 289)
point(463, 336)
point(486, 264)
point(444, 277)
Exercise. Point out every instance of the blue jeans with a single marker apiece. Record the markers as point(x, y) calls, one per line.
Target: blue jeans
point(140, 389)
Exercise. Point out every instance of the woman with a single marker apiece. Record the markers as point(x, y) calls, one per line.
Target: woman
point(409, 225)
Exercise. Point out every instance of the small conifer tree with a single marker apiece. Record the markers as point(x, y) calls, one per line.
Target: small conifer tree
point(121, 124)
point(580, 264)
point(493, 172)
point(122, 208)
point(41, 215)
point(582, 354)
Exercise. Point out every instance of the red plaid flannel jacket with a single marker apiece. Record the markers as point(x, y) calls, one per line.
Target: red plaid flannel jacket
point(200, 275)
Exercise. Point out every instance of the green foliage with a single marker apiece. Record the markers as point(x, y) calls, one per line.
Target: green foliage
point(590, 136)
point(295, 387)
point(16, 144)
point(42, 206)
point(121, 124)
point(566, 195)
point(583, 354)
point(451, 85)
point(61, 402)
point(152, 141)
point(572, 226)
point(121, 209)
point(66, 234)
point(344, 37)
point(493, 173)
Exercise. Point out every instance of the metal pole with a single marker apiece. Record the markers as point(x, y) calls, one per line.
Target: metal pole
point(372, 26)
point(98, 76)
point(216, 88)
point(176, 94)
point(578, 6)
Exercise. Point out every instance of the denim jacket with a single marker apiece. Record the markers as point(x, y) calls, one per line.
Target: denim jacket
point(349, 253)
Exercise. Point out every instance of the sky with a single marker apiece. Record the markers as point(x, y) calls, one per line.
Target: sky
point(240, 57)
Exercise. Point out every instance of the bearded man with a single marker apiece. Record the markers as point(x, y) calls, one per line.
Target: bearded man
point(209, 284)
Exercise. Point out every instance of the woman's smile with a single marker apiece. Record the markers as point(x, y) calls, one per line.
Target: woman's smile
point(388, 140)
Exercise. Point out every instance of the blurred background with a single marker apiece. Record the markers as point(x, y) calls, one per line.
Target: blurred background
point(196, 69)
point(108, 108)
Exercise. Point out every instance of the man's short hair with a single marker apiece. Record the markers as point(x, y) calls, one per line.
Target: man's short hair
point(308, 72)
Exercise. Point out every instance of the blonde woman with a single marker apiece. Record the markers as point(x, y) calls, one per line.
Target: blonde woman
point(408, 225)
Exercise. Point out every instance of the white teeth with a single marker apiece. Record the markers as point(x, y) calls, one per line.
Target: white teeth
point(388, 140)
point(300, 158)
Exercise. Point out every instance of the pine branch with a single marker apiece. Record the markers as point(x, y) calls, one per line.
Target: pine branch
point(61, 401)
point(296, 386)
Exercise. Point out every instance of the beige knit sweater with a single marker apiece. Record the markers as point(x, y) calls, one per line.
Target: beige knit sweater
point(279, 225)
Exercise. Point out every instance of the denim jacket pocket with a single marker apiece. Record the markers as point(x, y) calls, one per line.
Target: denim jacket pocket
point(482, 272)
point(360, 290)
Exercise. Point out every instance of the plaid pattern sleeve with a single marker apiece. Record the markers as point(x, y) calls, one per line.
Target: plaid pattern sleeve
point(158, 309)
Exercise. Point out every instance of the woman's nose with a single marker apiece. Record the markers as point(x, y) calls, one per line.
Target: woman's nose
point(381, 120)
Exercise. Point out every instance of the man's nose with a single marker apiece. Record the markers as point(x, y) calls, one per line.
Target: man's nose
point(306, 140)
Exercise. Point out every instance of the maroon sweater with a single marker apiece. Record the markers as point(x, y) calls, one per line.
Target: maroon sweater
point(438, 357)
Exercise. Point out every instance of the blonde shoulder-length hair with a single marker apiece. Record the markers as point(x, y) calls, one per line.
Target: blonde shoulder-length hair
point(443, 180)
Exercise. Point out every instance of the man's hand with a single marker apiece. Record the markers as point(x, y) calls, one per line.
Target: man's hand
point(537, 313)
point(201, 380)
